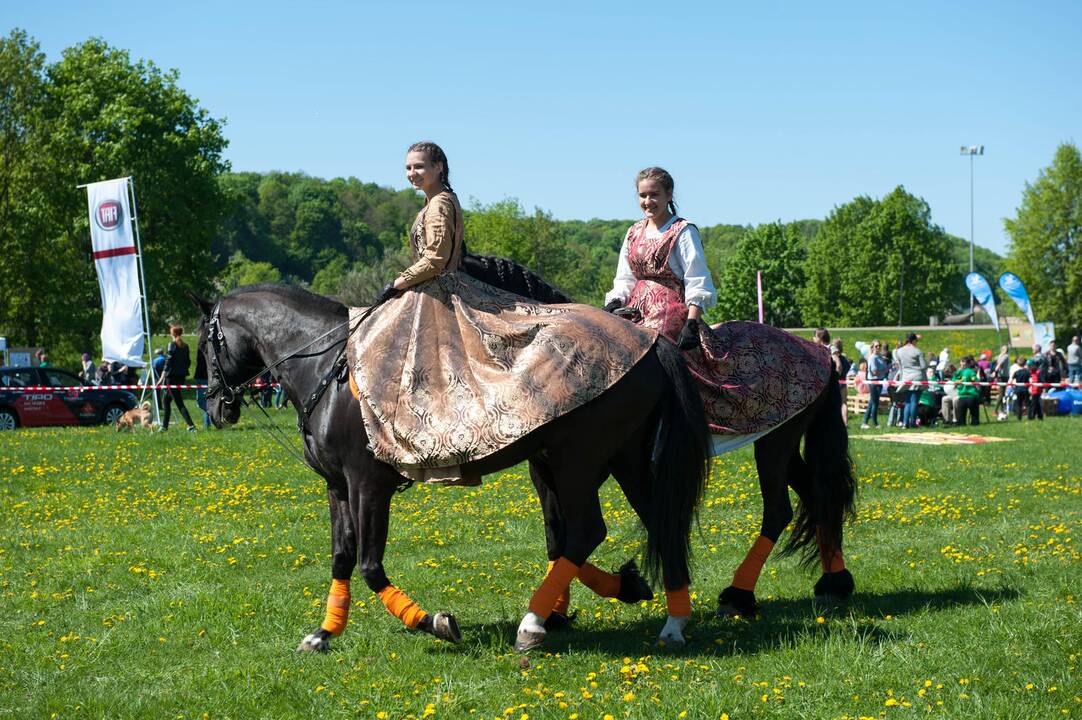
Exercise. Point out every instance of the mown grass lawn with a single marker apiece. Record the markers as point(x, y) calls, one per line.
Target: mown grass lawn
point(160, 576)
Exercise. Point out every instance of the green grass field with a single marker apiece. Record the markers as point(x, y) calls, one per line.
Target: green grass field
point(172, 576)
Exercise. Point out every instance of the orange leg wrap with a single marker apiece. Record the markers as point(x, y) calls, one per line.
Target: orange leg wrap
point(748, 573)
point(563, 600)
point(557, 580)
point(604, 584)
point(678, 602)
point(835, 562)
point(399, 604)
point(337, 615)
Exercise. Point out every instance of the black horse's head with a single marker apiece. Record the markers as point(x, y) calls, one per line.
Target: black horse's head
point(225, 360)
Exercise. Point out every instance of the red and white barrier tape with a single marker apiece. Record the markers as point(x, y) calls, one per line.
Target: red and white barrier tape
point(80, 388)
point(987, 383)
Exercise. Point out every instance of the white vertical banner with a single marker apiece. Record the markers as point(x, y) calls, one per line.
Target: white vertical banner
point(116, 260)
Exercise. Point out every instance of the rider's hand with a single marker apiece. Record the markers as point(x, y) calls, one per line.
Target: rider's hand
point(689, 335)
point(389, 291)
point(613, 305)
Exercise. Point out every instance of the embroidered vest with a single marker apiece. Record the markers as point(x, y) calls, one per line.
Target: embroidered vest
point(658, 293)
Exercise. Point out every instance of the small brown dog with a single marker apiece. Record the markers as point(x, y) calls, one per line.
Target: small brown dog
point(140, 415)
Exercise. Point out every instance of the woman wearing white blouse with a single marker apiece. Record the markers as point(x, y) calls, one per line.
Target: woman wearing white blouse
point(662, 279)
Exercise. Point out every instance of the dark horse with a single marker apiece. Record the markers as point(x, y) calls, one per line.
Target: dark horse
point(648, 430)
point(822, 479)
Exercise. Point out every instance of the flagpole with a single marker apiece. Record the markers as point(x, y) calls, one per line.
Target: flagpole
point(143, 297)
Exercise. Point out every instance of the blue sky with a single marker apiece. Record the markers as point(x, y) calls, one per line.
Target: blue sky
point(761, 111)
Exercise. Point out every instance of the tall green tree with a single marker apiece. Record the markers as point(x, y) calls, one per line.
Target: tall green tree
point(110, 116)
point(876, 262)
point(93, 115)
point(26, 211)
point(777, 251)
point(1046, 241)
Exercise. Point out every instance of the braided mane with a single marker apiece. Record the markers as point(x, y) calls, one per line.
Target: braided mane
point(511, 276)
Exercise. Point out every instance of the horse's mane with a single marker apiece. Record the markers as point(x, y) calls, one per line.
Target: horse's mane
point(496, 271)
point(511, 276)
point(297, 294)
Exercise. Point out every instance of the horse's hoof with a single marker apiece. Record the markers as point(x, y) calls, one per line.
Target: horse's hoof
point(633, 586)
point(527, 640)
point(673, 632)
point(558, 621)
point(445, 627)
point(834, 587)
point(316, 642)
point(734, 601)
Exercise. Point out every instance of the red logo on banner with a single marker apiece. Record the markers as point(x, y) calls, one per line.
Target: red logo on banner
point(108, 215)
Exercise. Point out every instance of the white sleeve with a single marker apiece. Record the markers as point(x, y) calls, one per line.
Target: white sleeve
point(624, 281)
point(689, 263)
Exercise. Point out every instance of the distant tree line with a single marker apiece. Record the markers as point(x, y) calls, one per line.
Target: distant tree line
point(869, 262)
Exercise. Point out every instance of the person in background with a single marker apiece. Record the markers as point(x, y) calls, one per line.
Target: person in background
point(1074, 361)
point(895, 393)
point(1038, 355)
point(877, 369)
point(1001, 373)
point(913, 365)
point(930, 398)
point(1016, 387)
point(201, 399)
point(948, 405)
point(178, 361)
point(279, 395)
point(43, 360)
point(860, 378)
point(969, 395)
point(103, 376)
point(1055, 364)
point(944, 357)
point(157, 366)
point(88, 370)
point(1036, 377)
point(840, 363)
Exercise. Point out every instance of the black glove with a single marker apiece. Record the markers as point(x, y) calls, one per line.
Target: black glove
point(613, 306)
point(689, 335)
point(389, 291)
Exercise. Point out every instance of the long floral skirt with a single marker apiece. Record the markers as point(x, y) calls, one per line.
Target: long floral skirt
point(454, 369)
point(754, 377)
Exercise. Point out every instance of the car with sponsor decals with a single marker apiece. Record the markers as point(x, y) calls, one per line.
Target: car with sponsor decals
point(31, 396)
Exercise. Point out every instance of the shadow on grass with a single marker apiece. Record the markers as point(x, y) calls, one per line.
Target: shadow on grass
point(781, 622)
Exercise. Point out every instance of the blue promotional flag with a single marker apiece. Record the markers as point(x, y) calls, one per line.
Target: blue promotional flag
point(982, 292)
point(1012, 285)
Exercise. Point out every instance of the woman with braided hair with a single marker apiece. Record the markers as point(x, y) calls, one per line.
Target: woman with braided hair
point(449, 369)
point(662, 276)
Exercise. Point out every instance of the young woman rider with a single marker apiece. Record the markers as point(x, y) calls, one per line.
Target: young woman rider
point(662, 274)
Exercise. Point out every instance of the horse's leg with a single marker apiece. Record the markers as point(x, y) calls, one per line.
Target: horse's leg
point(772, 453)
point(626, 585)
point(541, 477)
point(585, 530)
point(836, 582)
point(373, 516)
point(343, 560)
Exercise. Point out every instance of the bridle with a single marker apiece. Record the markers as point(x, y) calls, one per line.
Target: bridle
point(216, 382)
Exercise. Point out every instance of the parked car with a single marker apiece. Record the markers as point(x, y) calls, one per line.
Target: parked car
point(60, 404)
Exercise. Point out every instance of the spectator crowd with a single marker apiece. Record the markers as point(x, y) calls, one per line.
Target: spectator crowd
point(949, 392)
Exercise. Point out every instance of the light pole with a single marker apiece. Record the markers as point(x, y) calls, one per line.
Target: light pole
point(971, 151)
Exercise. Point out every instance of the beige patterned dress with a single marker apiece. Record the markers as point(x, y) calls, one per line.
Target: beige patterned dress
point(454, 369)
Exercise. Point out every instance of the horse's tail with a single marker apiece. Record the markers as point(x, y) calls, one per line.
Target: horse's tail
point(818, 525)
point(679, 465)
point(511, 276)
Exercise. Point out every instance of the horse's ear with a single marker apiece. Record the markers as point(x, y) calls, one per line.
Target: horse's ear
point(204, 305)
